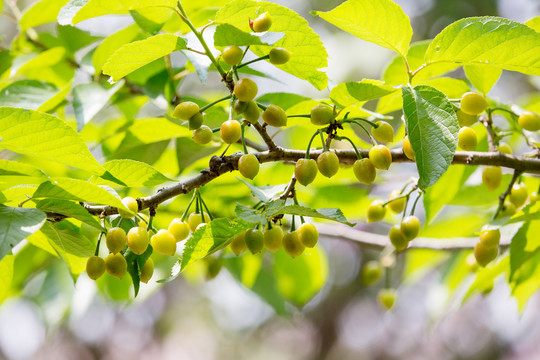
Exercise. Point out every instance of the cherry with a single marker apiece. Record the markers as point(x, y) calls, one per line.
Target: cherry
point(292, 244)
point(364, 171)
point(308, 235)
point(410, 227)
point(473, 103)
point(164, 243)
point(147, 271)
point(275, 116)
point(305, 171)
point(179, 229)
point(186, 110)
point(384, 132)
point(195, 121)
point(533, 197)
point(371, 272)
point(529, 121)
point(380, 157)
point(387, 298)
point(240, 106)
point(194, 220)
point(131, 204)
point(245, 89)
point(248, 165)
point(485, 254)
point(261, 23)
point(116, 265)
point(95, 267)
point(519, 195)
point(490, 238)
point(279, 56)
point(397, 205)
point(407, 148)
point(509, 209)
point(137, 240)
point(254, 240)
point(230, 131)
point(397, 238)
point(376, 211)
point(273, 239)
point(232, 55)
point(213, 267)
point(238, 244)
point(328, 163)
point(322, 115)
point(467, 139)
point(251, 112)
point(465, 119)
point(492, 177)
point(202, 135)
point(116, 239)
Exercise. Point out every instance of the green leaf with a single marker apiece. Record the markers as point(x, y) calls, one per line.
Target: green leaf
point(299, 279)
point(483, 77)
point(132, 173)
point(3, 198)
point(328, 214)
point(250, 215)
point(308, 52)
point(41, 12)
point(69, 209)
point(210, 238)
point(350, 93)
point(76, 11)
point(74, 39)
point(151, 20)
point(187, 151)
point(16, 224)
point(111, 44)
point(89, 99)
point(28, 94)
point(382, 22)
point(9, 167)
point(444, 191)
point(264, 193)
point(130, 57)
point(78, 190)
point(433, 131)
point(67, 240)
point(283, 100)
point(499, 42)
point(42, 135)
point(200, 62)
point(485, 277)
point(6, 269)
point(227, 34)
point(135, 264)
point(57, 99)
point(534, 23)
point(518, 254)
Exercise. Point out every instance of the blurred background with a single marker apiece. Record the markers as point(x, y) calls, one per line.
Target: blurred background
point(190, 318)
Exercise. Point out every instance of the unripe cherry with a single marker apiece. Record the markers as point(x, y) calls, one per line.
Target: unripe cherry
point(305, 171)
point(519, 195)
point(407, 148)
point(95, 267)
point(279, 56)
point(116, 239)
point(364, 171)
point(465, 119)
point(328, 163)
point(137, 240)
point(529, 121)
point(262, 23)
point(238, 244)
point(251, 112)
point(384, 132)
point(387, 298)
point(473, 103)
point(131, 204)
point(371, 272)
point(147, 271)
point(164, 243)
point(485, 254)
point(202, 135)
point(492, 177)
point(308, 235)
point(273, 239)
point(397, 205)
point(467, 139)
point(230, 131)
point(410, 227)
point(116, 265)
point(186, 110)
point(248, 165)
point(491, 237)
point(322, 115)
point(376, 211)
point(380, 157)
point(292, 244)
point(232, 55)
point(397, 238)
point(275, 116)
point(254, 240)
point(245, 89)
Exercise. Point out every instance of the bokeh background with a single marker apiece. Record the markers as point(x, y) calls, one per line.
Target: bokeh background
point(191, 318)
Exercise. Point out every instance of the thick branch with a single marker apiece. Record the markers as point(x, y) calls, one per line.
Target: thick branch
point(219, 166)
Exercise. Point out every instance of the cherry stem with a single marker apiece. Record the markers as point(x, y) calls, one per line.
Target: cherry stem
point(299, 116)
point(184, 215)
point(415, 202)
point(349, 140)
point(206, 207)
point(296, 203)
point(225, 151)
point(322, 140)
point(244, 139)
point(150, 221)
point(355, 120)
point(215, 102)
point(253, 61)
point(96, 252)
point(309, 144)
point(373, 142)
point(293, 226)
point(503, 196)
